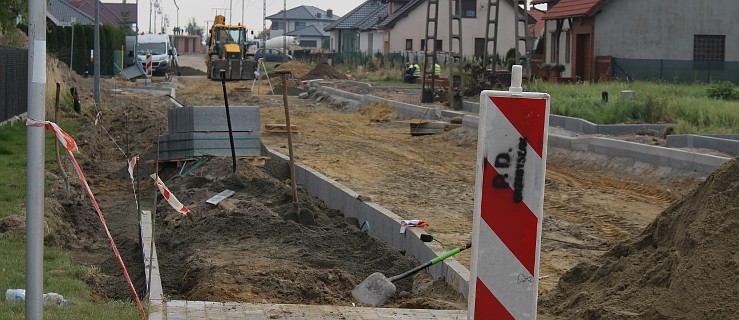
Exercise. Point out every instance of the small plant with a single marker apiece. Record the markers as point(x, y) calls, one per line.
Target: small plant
point(723, 90)
point(558, 67)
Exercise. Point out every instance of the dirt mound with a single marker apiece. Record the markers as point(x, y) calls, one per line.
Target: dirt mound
point(187, 71)
point(57, 71)
point(684, 265)
point(243, 250)
point(378, 112)
point(323, 71)
point(298, 69)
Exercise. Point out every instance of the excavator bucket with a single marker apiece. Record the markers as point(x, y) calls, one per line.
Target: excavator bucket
point(236, 69)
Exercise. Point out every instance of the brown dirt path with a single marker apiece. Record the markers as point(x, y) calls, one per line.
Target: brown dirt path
point(587, 207)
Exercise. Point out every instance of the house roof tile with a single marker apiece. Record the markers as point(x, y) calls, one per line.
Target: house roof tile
point(571, 9)
point(365, 16)
point(303, 13)
point(60, 12)
point(308, 31)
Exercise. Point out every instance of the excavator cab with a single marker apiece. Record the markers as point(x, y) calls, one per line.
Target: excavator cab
point(227, 51)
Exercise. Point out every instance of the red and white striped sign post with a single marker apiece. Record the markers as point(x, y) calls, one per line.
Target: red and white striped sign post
point(149, 65)
point(509, 203)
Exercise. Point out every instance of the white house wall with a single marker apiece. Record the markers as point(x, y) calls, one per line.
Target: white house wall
point(550, 27)
point(377, 41)
point(413, 27)
point(664, 29)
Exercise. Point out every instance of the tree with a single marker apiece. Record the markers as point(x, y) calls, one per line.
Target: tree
point(193, 28)
point(9, 11)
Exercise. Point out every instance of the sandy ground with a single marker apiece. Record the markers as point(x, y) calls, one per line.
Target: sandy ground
point(591, 203)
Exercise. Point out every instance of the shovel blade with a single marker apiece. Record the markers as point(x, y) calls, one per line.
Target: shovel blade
point(374, 290)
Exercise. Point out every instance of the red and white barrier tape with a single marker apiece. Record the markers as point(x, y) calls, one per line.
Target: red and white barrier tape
point(70, 145)
point(131, 167)
point(404, 224)
point(169, 196)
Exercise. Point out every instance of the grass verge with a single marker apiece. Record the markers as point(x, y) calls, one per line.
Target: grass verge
point(61, 275)
point(686, 105)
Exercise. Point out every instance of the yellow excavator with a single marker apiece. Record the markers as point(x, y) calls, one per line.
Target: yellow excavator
point(227, 51)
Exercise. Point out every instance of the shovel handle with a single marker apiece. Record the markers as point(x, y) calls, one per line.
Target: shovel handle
point(430, 263)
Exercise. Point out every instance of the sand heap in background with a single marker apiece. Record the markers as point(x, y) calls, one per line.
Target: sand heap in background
point(323, 71)
point(378, 112)
point(685, 265)
point(59, 72)
point(298, 69)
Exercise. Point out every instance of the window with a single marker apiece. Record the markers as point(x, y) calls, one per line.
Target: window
point(438, 45)
point(709, 47)
point(568, 43)
point(554, 53)
point(309, 43)
point(479, 47)
point(469, 8)
point(408, 44)
point(299, 25)
point(423, 44)
point(276, 26)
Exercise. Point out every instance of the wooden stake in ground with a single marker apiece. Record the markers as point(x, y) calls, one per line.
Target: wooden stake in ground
point(58, 158)
point(303, 216)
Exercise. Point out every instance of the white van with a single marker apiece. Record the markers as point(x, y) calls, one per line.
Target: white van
point(162, 53)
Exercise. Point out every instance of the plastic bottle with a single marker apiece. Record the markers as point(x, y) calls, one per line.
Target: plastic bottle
point(15, 295)
point(53, 298)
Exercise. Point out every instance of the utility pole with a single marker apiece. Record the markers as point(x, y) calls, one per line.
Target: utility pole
point(264, 22)
point(284, 30)
point(96, 57)
point(230, 12)
point(35, 160)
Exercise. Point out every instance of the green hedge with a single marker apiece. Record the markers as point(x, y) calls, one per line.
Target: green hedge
point(59, 40)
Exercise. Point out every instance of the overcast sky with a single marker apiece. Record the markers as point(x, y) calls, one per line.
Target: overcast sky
point(204, 11)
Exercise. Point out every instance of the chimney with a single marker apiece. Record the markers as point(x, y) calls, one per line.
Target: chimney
point(318, 15)
point(329, 13)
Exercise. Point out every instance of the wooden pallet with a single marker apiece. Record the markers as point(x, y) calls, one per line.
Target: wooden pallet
point(280, 128)
point(258, 161)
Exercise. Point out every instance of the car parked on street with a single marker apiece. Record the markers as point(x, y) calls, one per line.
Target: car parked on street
point(271, 55)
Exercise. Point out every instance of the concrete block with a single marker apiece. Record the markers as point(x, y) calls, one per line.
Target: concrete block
point(620, 129)
point(195, 144)
point(213, 119)
point(723, 143)
point(470, 106)
point(471, 121)
point(451, 114)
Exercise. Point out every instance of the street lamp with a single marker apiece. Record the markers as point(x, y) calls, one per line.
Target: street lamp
point(159, 12)
point(157, 3)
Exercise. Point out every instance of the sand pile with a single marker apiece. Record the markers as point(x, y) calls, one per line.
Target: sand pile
point(685, 265)
point(57, 71)
point(378, 112)
point(298, 69)
point(323, 71)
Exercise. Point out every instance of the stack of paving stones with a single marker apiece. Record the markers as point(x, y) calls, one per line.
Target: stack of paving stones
point(203, 131)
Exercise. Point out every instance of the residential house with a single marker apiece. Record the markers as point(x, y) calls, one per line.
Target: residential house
point(685, 40)
point(402, 25)
point(358, 29)
point(305, 22)
point(117, 14)
point(61, 13)
point(184, 43)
